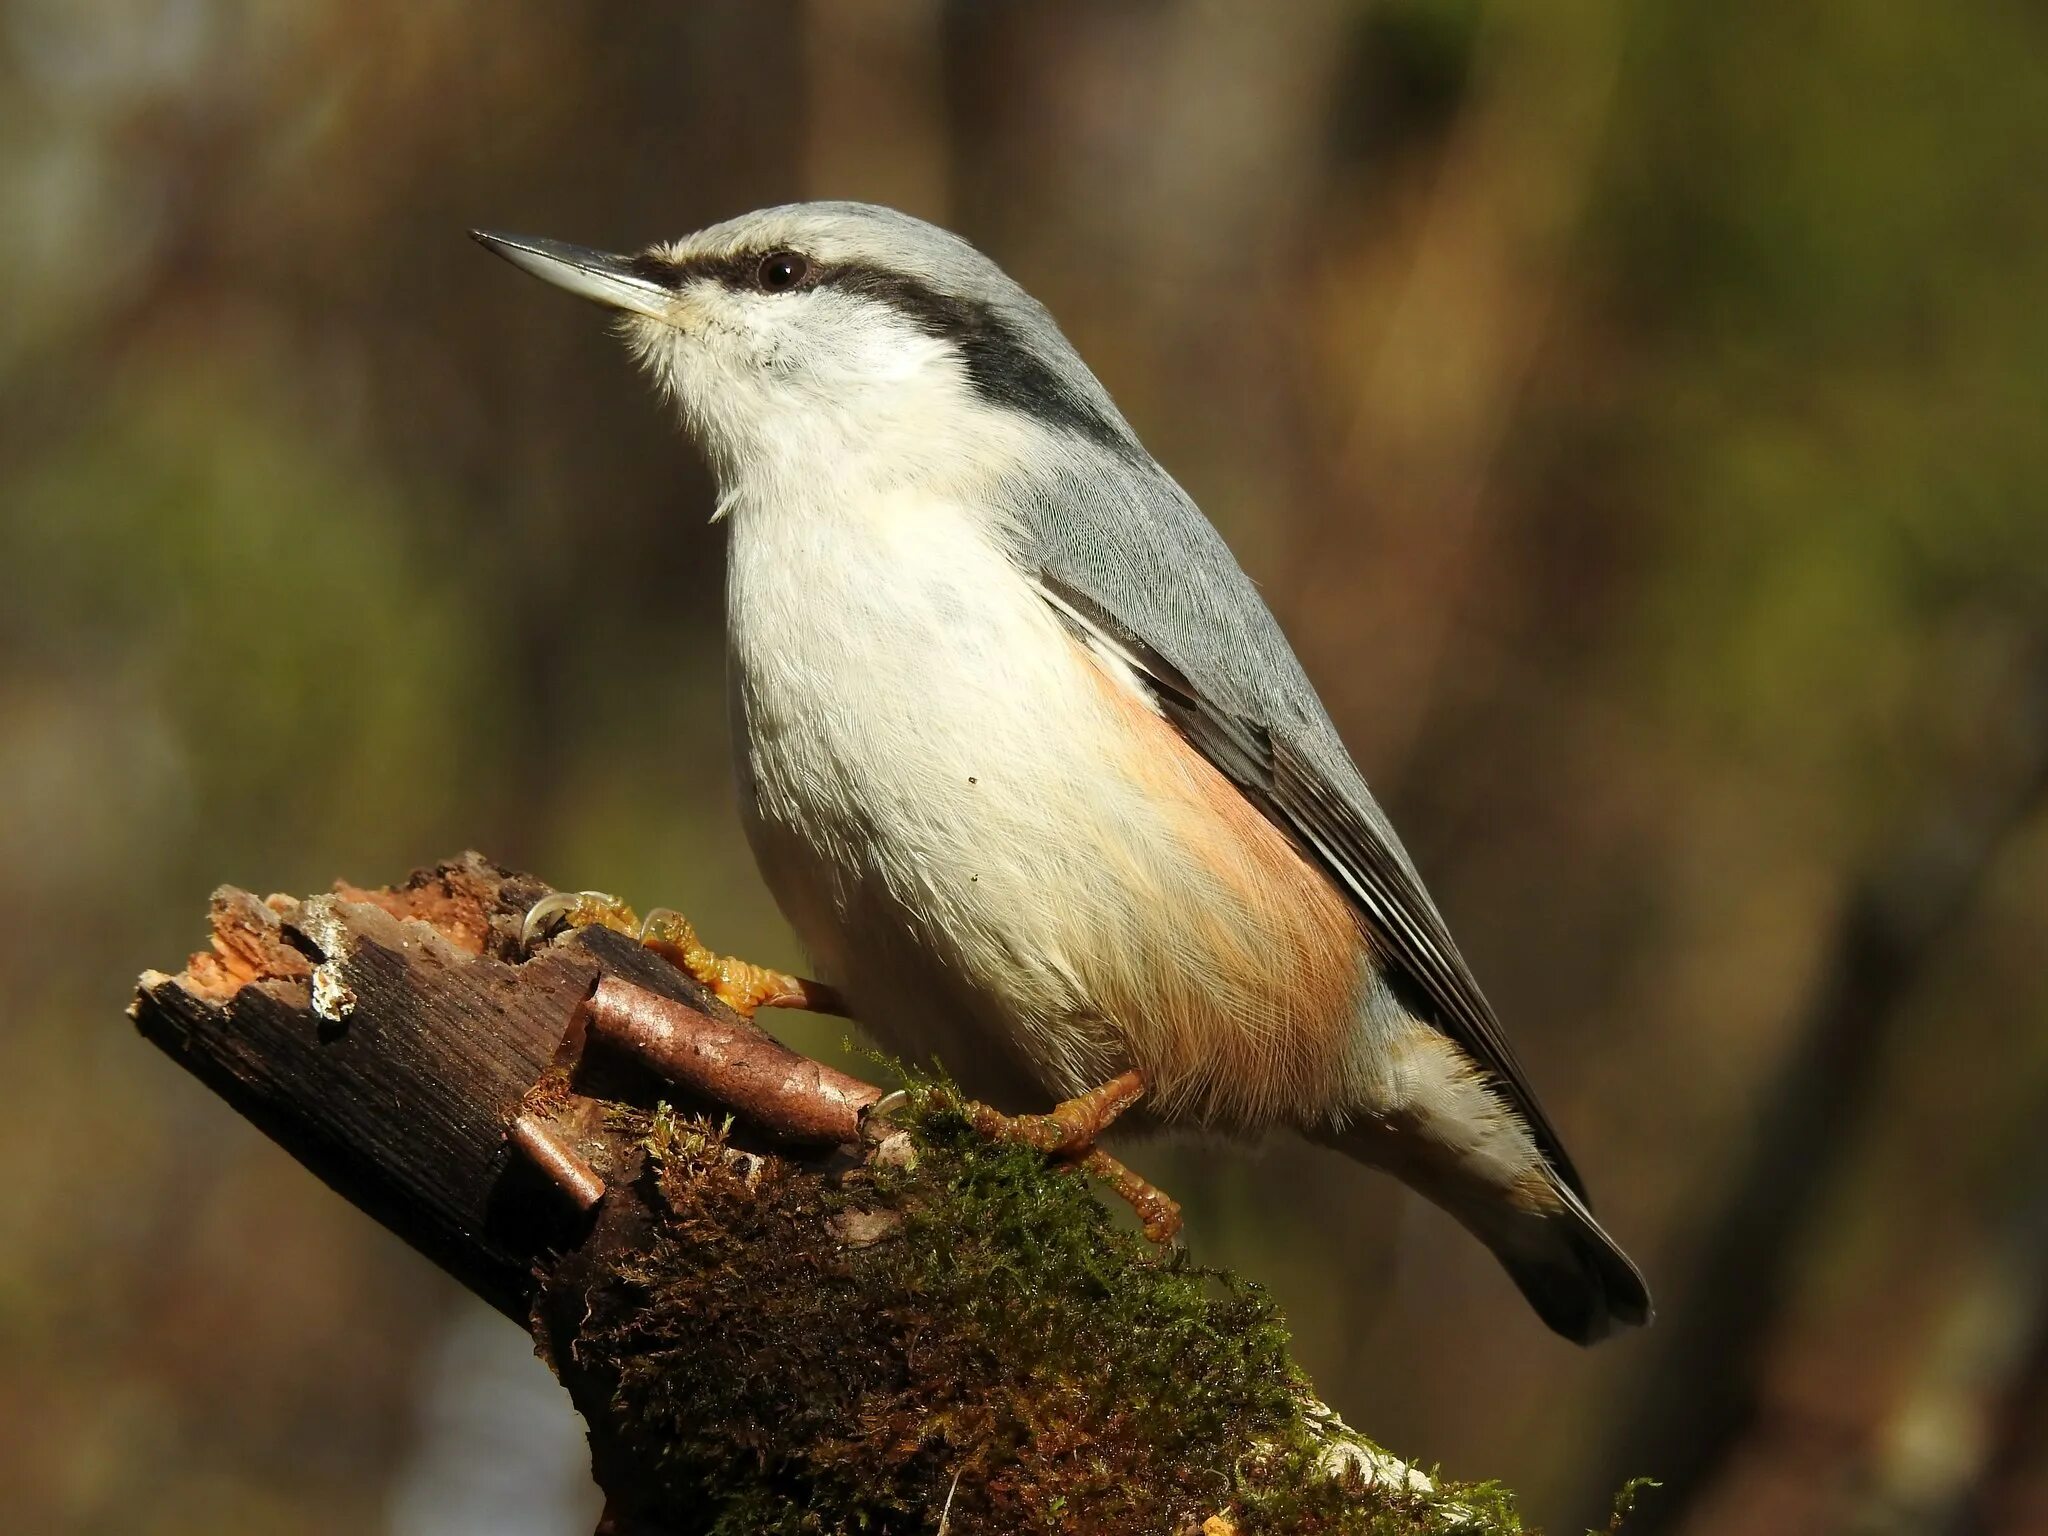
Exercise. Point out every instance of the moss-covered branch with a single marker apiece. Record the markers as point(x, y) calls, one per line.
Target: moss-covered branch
point(920, 1329)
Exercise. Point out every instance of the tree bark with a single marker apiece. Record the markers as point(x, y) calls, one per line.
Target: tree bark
point(772, 1315)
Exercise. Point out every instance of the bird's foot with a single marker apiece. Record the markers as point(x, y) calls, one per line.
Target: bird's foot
point(575, 909)
point(1071, 1127)
point(741, 985)
point(1158, 1212)
point(1067, 1134)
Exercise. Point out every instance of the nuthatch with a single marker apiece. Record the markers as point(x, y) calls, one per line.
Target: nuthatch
point(1025, 759)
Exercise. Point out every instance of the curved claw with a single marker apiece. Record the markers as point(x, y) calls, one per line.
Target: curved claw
point(887, 1106)
point(660, 922)
point(549, 909)
point(541, 915)
point(891, 1144)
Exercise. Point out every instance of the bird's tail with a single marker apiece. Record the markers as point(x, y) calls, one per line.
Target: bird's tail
point(1573, 1274)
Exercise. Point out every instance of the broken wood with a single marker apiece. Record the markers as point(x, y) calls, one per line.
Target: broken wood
point(772, 1316)
point(737, 1065)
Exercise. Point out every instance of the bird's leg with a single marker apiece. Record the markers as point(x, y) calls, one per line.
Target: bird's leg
point(1067, 1134)
point(741, 985)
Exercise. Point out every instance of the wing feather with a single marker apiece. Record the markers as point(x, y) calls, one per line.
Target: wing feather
point(1327, 824)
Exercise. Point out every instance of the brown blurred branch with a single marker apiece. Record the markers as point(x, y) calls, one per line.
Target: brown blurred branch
point(756, 1308)
point(1703, 1388)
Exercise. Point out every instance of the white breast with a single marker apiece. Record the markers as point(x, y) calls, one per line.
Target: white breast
point(930, 768)
point(899, 695)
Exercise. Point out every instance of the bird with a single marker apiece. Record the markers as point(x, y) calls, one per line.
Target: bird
point(1025, 759)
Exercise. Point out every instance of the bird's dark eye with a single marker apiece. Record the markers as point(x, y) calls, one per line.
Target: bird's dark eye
point(781, 271)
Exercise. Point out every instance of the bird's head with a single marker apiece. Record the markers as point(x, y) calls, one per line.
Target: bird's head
point(812, 336)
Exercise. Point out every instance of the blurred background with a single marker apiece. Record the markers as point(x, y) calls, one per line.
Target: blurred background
point(1635, 414)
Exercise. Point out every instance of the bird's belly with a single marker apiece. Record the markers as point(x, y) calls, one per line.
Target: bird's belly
point(1011, 865)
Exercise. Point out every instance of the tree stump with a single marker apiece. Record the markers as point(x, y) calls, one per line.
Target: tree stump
point(774, 1311)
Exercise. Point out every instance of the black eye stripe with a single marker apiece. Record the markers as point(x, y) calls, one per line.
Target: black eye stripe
point(1001, 366)
point(731, 271)
point(656, 269)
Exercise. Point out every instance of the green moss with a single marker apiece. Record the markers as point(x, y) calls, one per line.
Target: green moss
point(790, 1370)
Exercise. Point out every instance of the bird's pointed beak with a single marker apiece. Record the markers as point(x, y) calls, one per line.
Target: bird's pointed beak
point(617, 282)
